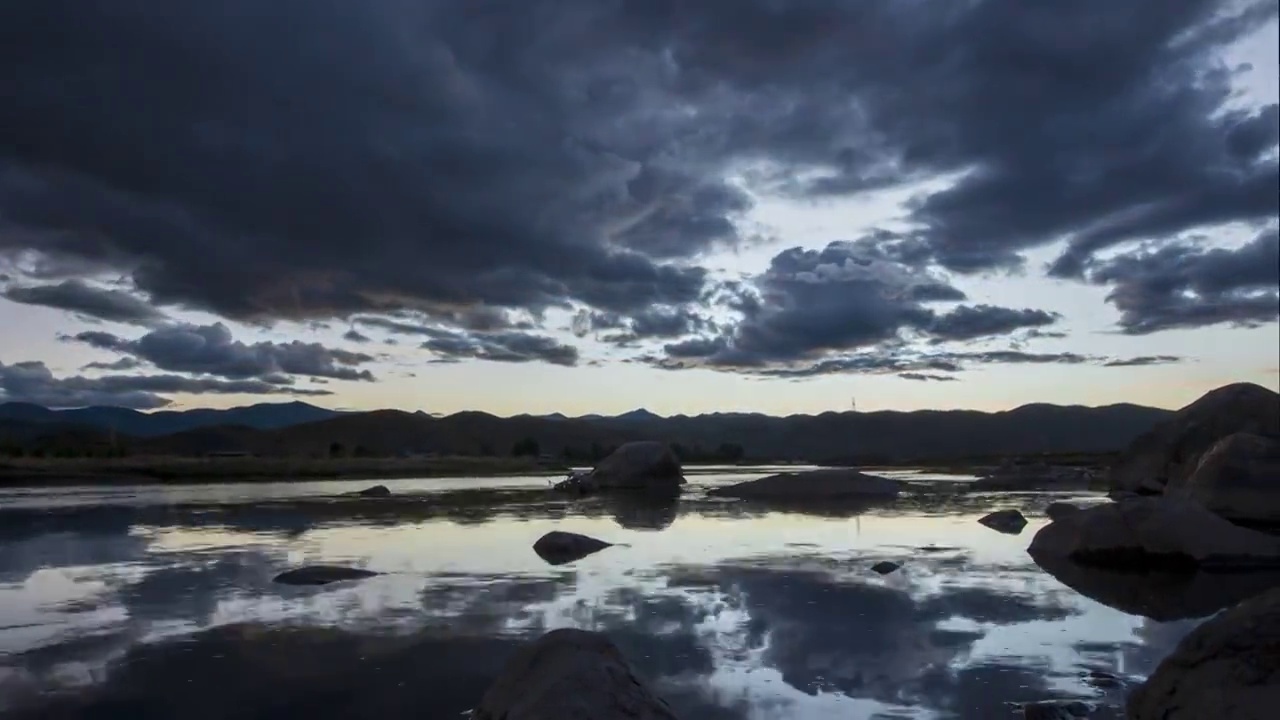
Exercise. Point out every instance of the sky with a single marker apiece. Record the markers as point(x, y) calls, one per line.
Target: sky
point(577, 206)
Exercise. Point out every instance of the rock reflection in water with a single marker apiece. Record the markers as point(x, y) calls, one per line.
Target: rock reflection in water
point(1161, 596)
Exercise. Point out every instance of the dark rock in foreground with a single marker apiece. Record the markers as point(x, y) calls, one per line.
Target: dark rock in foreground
point(1148, 533)
point(884, 567)
point(570, 675)
point(558, 548)
point(1229, 667)
point(650, 466)
point(823, 484)
point(1059, 510)
point(1010, 522)
point(1238, 478)
point(321, 575)
point(1170, 452)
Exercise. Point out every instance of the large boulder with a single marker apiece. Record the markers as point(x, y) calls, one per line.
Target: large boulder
point(1150, 532)
point(570, 675)
point(822, 484)
point(642, 465)
point(1229, 667)
point(1238, 478)
point(1171, 451)
point(558, 547)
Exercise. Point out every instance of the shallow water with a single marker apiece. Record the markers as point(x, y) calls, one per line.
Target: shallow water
point(731, 610)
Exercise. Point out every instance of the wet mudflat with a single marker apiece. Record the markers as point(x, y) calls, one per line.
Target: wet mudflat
point(160, 603)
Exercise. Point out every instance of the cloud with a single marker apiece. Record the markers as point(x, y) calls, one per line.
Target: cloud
point(814, 306)
point(124, 363)
point(211, 350)
point(512, 347)
point(356, 336)
point(977, 321)
point(33, 382)
point(565, 154)
point(1184, 285)
point(78, 297)
point(905, 362)
point(1143, 360)
point(927, 377)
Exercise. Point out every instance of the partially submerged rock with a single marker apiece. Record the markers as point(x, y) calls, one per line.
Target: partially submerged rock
point(1238, 478)
point(1058, 510)
point(558, 548)
point(570, 675)
point(646, 465)
point(377, 491)
point(1229, 667)
point(884, 567)
point(1008, 521)
point(1151, 532)
point(822, 484)
point(322, 575)
point(1171, 451)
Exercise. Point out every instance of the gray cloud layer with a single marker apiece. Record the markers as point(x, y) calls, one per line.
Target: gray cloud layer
point(211, 350)
point(33, 382)
point(476, 167)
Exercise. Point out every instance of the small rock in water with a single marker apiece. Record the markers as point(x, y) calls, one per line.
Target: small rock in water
point(884, 567)
point(375, 491)
point(321, 575)
point(558, 548)
point(1008, 521)
point(1100, 679)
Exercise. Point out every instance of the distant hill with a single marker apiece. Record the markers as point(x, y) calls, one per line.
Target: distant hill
point(263, 416)
point(297, 429)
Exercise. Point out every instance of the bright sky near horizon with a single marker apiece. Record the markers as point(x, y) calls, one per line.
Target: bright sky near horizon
point(760, 205)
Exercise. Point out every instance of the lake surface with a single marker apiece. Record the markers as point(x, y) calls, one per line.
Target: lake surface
point(157, 602)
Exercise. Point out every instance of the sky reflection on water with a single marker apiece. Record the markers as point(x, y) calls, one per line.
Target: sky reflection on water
point(732, 611)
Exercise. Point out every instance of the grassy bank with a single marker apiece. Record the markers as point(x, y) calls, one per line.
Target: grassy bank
point(52, 471)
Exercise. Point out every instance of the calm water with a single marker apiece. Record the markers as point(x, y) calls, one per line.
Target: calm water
point(731, 611)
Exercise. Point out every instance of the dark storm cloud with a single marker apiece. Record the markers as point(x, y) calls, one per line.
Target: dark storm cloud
point(1184, 285)
point(529, 155)
point(211, 350)
point(33, 382)
point(83, 299)
point(428, 156)
point(1144, 360)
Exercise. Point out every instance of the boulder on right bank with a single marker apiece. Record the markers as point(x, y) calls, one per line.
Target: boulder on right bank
point(1229, 667)
point(570, 674)
point(821, 484)
point(1152, 532)
point(1171, 451)
point(643, 465)
point(1238, 478)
